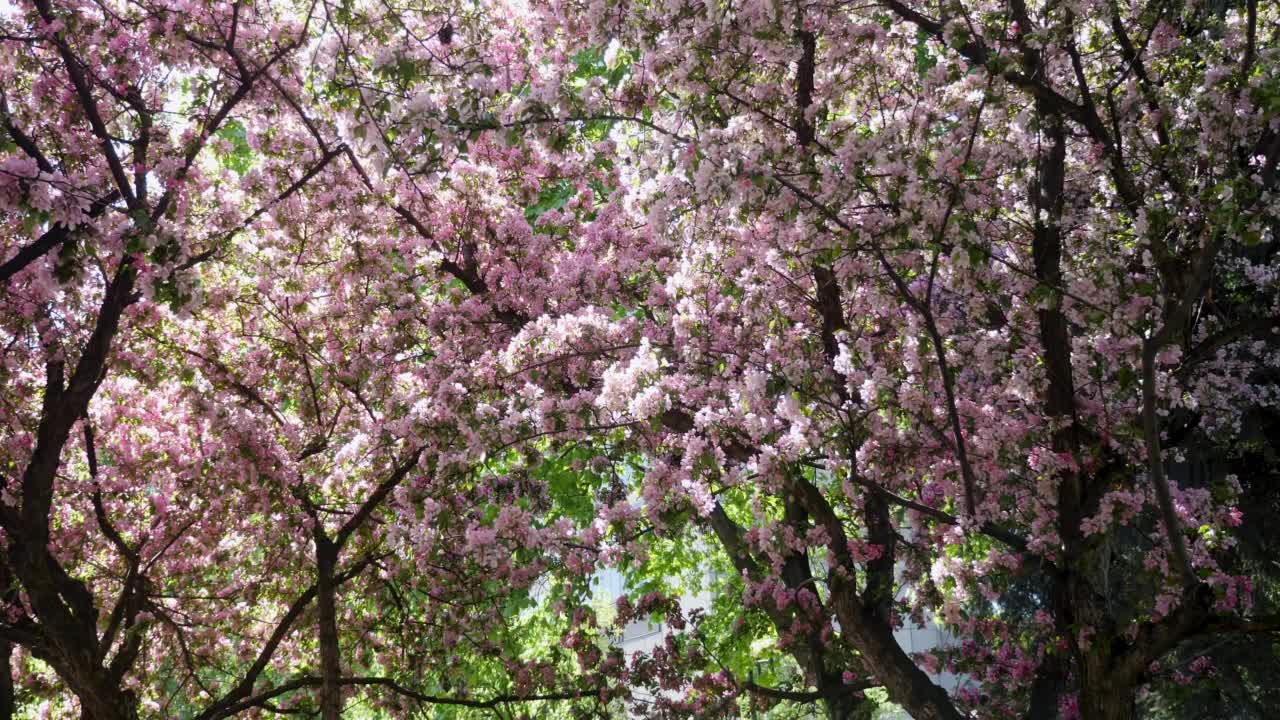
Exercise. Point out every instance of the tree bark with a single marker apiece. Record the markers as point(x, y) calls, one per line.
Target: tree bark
point(1099, 700)
point(847, 707)
point(906, 683)
point(330, 659)
point(8, 702)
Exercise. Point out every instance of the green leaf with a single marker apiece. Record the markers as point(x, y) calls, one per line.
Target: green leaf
point(925, 60)
point(552, 197)
point(240, 157)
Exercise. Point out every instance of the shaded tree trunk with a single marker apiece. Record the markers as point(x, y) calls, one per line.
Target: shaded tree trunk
point(330, 659)
point(872, 635)
point(1100, 700)
point(8, 701)
point(849, 707)
point(1047, 688)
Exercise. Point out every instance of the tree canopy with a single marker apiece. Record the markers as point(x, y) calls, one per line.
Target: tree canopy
point(345, 343)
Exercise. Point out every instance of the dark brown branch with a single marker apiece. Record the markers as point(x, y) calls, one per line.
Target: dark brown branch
point(399, 689)
point(1210, 346)
point(52, 238)
point(233, 701)
point(375, 498)
point(211, 124)
point(1250, 42)
point(20, 138)
point(1155, 469)
point(84, 93)
point(297, 185)
point(804, 83)
point(808, 696)
point(1085, 115)
point(240, 388)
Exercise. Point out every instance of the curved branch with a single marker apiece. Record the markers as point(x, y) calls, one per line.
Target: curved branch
point(391, 684)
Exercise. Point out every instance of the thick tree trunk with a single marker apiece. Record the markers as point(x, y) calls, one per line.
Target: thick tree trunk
point(330, 660)
point(1101, 700)
point(63, 605)
point(1047, 689)
point(848, 707)
point(120, 707)
point(906, 683)
point(7, 700)
point(68, 626)
point(100, 698)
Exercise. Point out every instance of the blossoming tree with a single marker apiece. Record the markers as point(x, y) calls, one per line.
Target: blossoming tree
point(345, 342)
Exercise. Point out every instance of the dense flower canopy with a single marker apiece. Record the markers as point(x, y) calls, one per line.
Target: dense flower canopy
point(346, 343)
